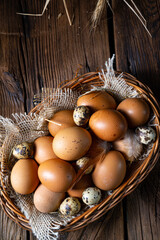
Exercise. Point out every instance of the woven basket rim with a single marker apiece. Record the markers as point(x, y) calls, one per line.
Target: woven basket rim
point(124, 189)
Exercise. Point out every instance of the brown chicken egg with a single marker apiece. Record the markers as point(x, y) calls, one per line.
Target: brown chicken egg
point(97, 100)
point(72, 143)
point(110, 171)
point(47, 201)
point(56, 175)
point(136, 111)
point(43, 149)
point(108, 124)
point(77, 190)
point(24, 176)
point(60, 120)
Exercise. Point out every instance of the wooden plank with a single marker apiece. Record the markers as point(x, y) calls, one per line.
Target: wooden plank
point(10, 230)
point(46, 39)
point(43, 51)
point(110, 226)
point(11, 92)
point(142, 209)
point(138, 54)
point(10, 80)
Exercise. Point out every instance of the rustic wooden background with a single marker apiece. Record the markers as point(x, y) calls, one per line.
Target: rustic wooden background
point(43, 51)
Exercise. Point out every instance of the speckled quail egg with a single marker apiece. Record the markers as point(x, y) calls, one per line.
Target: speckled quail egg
point(91, 195)
point(80, 163)
point(70, 206)
point(23, 150)
point(81, 115)
point(145, 135)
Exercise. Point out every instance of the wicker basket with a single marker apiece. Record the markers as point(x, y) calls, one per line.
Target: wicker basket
point(138, 170)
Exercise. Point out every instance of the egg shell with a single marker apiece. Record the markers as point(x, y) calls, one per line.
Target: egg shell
point(72, 143)
point(70, 206)
point(108, 124)
point(43, 149)
point(56, 175)
point(145, 134)
point(47, 201)
point(77, 190)
point(24, 176)
point(136, 111)
point(110, 171)
point(81, 115)
point(61, 120)
point(23, 150)
point(91, 195)
point(97, 100)
point(80, 163)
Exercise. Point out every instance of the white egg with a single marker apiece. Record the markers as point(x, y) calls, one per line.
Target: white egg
point(70, 206)
point(146, 135)
point(91, 195)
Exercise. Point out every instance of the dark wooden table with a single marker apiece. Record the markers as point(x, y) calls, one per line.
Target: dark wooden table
point(43, 51)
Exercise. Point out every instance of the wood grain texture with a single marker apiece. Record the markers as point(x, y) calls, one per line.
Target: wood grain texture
point(43, 51)
point(46, 39)
point(136, 51)
point(137, 54)
point(9, 230)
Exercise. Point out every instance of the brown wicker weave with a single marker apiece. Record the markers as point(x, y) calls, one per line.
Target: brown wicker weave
point(137, 172)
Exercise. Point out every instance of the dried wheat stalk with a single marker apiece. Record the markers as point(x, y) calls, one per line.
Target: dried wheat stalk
point(98, 12)
point(44, 9)
point(100, 6)
point(36, 14)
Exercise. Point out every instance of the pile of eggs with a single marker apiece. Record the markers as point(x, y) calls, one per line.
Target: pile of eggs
point(97, 127)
